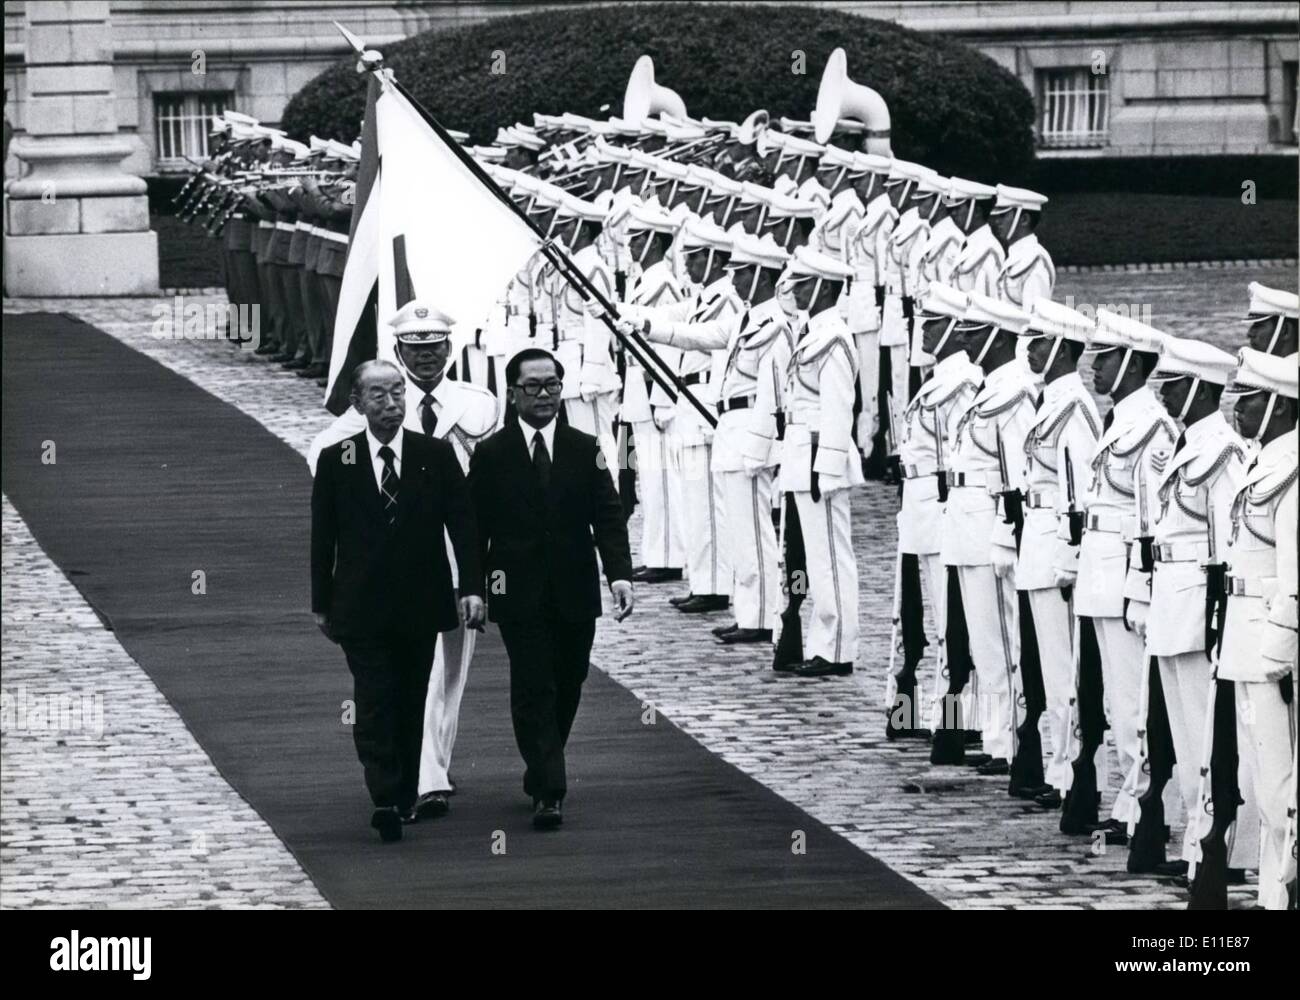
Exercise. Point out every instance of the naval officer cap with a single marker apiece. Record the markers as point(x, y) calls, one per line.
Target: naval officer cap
point(650, 218)
point(488, 154)
point(943, 302)
point(1267, 303)
point(960, 189)
point(237, 118)
point(1010, 198)
point(931, 182)
point(764, 251)
point(1115, 332)
point(701, 234)
point(1181, 357)
point(572, 207)
point(983, 310)
point(1260, 372)
point(873, 163)
point(783, 206)
point(901, 171)
point(809, 263)
point(834, 156)
point(1051, 319)
point(418, 322)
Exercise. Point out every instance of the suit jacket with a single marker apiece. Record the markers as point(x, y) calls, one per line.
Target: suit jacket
point(539, 548)
point(373, 578)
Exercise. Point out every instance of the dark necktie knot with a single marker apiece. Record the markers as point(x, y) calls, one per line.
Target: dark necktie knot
point(541, 460)
point(386, 455)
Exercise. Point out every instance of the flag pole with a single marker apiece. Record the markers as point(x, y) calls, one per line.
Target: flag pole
point(557, 257)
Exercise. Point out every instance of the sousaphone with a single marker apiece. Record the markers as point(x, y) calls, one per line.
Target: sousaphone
point(838, 97)
point(645, 98)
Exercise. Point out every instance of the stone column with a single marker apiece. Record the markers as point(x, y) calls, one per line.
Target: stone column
point(76, 223)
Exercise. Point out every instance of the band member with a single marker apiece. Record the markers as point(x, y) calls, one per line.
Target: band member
point(1259, 632)
point(819, 463)
point(988, 467)
point(1273, 321)
point(462, 415)
point(1121, 505)
point(1060, 443)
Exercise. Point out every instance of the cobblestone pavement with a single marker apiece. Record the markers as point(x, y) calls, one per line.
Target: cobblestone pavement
point(107, 800)
point(820, 744)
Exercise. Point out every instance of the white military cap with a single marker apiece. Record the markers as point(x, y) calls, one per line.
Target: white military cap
point(666, 168)
point(755, 194)
point(546, 121)
point(960, 189)
point(266, 132)
point(459, 136)
point(219, 124)
point(1181, 357)
point(1116, 332)
point(506, 137)
point(700, 234)
point(571, 206)
point(621, 126)
point(245, 133)
point(764, 251)
point(1260, 372)
point(904, 170)
point(607, 153)
point(683, 131)
point(983, 310)
point(1051, 319)
point(814, 264)
point(1266, 303)
point(318, 145)
point(650, 217)
point(793, 145)
point(492, 154)
point(836, 157)
point(944, 301)
point(236, 118)
point(418, 322)
point(654, 126)
point(356, 149)
point(931, 182)
point(873, 163)
point(783, 206)
point(1022, 198)
point(299, 150)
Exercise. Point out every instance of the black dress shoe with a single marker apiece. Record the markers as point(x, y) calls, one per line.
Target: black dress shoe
point(722, 630)
point(995, 766)
point(269, 347)
point(1050, 799)
point(977, 760)
point(821, 667)
point(742, 635)
point(296, 364)
point(1029, 791)
point(547, 814)
point(314, 370)
point(702, 604)
point(282, 357)
point(681, 599)
point(657, 575)
point(973, 737)
point(431, 805)
point(1115, 831)
point(388, 821)
point(323, 383)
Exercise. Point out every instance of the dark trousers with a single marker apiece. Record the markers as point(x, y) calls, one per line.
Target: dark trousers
point(548, 663)
point(390, 677)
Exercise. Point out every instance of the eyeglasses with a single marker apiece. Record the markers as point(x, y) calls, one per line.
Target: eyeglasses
point(551, 385)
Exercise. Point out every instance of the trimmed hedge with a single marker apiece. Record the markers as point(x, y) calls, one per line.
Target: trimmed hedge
point(952, 108)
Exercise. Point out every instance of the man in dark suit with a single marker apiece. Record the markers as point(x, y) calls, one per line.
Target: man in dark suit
point(381, 584)
point(542, 494)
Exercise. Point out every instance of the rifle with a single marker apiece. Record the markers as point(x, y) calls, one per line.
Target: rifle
point(1147, 837)
point(948, 745)
point(1079, 811)
point(909, 624)
point(794, 577)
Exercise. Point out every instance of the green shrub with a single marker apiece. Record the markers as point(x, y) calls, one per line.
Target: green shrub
point(952, 108)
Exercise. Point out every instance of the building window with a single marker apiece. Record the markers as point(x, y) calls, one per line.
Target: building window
point(181, 123)
point(1075, 107)
point(1290, 103)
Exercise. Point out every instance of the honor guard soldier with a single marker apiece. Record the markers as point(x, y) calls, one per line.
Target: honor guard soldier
point(463, 415)
point(1195, 492)
point(928, 430)
point(1273, 321)
point(1114, 562)
point(702, 249)
point(1259, 632)
point(837, 173)
point(980, 262)
point(906, 246)
point(755, 348)
point(943, 245)
point(649, 410)
point(988, 468)
point(1059, 445)
point(1027, 273)
point(819, 463)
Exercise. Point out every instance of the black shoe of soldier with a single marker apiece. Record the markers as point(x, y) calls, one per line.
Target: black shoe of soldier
point(977, 760)
point(1050, 799)
point(432, 805)
point(657, 575)
point(388, 821)
point(995, 767)
point(722, 630)
point(820, 667)
point(681, 599)
point(1029, 791)
point(702, 604)
point(739, 636)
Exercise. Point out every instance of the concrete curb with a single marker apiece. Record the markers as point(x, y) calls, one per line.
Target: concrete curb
point(1184, 265)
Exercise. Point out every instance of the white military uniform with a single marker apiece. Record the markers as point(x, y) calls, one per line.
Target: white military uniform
point(466, 415)
point(979, 263)
point(1121, 503)
point(658, 454)
point(1001, 412)
point(1027, 274)
point(906, 249)
point(925, 452)
point(818, 401)
point(1259, 636)
point(1062, 437)
point(868, 249)
point(756, 350)
point(584, 347)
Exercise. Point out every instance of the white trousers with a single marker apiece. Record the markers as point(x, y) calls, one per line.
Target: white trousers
point(708, 565)
point(442, 711)
point(1123, 658)
point(934, 578)
point(595, 416)
point(832, 576)
point(1054, 626)
point(751, 544)
point(991, 622)
point(898, 382)
point(868, 345)
point(1266, 738)
point(659, 492)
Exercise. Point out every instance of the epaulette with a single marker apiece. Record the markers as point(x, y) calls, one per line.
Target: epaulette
point(1024, 395)
point(964, 383)
point(1075, 404)
point(976, 265)
point(824, 351)
point(1160, 424)
point(1029, 266)
point(1219, 462)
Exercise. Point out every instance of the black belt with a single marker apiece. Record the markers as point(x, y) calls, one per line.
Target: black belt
point(736, 403)
point(695, 378)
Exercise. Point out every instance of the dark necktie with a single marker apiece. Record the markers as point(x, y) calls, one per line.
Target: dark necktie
point(1109, 419)
point(541, 461)
point(428, 418)
point(388, 484)
point(1182, 440)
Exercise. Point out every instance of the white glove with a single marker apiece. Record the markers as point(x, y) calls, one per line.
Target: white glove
point(1136, 617)
point(1064, 577)
point(1003, 560)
